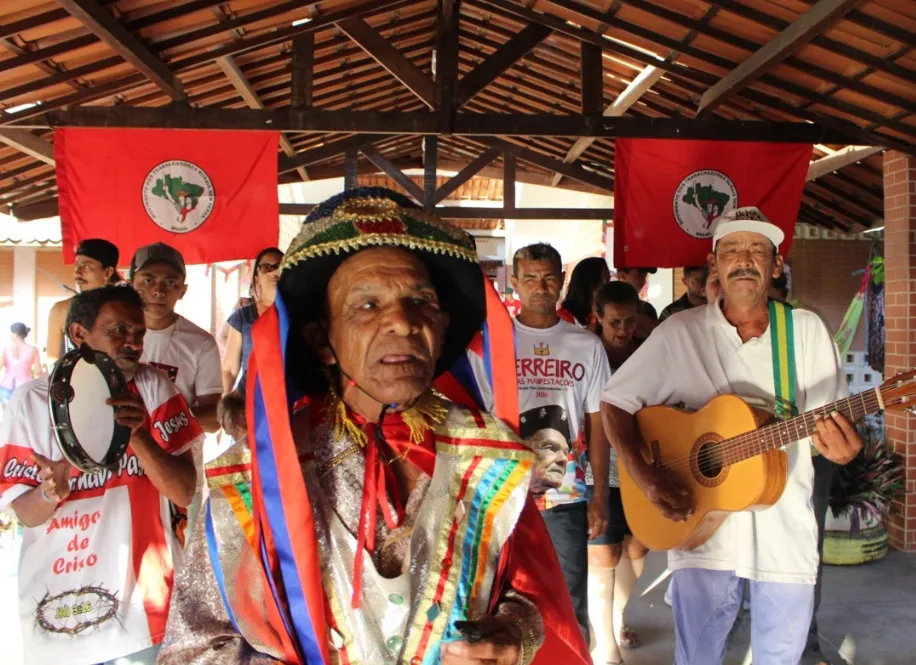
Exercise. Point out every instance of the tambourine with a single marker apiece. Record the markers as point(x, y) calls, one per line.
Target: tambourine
point(84, 425)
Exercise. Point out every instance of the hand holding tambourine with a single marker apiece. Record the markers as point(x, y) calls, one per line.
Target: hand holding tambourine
point(92, 411)
point(130, 411)
point(54, 477)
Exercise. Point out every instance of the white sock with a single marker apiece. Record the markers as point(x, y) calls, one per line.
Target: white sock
point(601, 615)
point(628, 573)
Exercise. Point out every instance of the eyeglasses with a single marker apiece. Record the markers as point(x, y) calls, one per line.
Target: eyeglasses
point(267, 268)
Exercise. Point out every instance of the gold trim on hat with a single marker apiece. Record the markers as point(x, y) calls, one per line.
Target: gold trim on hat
point(379, 240)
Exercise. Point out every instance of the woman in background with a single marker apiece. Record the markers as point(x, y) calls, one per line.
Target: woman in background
point(587, 277)
point(264, 280)
point(20, 362)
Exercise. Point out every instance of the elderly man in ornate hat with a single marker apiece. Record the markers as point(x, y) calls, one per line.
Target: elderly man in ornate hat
point(367, 519)
point(747, 345)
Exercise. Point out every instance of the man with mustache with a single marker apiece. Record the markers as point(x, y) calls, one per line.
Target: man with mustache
point(728, 347)
point(95, 572)
point(361, 517)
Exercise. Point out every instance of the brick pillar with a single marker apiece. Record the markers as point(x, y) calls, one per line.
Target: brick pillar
point(900, 317)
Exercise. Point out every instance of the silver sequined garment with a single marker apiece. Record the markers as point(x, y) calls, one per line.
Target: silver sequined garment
point(199, 630)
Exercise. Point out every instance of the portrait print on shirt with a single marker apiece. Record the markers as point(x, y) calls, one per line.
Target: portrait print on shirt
point(545, 430)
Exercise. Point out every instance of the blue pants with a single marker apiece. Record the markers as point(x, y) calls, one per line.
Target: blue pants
point(706, 603)
point(568, 527)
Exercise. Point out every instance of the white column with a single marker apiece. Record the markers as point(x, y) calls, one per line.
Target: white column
point(24, 273)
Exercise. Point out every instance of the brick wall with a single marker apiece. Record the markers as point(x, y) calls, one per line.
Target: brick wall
point(900, 317)
point(822, 277)
point(51, 274)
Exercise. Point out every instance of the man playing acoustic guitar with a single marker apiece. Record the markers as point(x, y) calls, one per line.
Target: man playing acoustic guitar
point(728, 347)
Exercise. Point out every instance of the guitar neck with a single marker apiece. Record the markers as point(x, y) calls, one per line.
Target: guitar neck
point(783, 432)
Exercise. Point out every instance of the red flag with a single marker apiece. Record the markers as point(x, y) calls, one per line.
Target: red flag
point(211, 195)
point(667, 193)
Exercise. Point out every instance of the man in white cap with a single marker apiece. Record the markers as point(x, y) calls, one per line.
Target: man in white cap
point(727, 347)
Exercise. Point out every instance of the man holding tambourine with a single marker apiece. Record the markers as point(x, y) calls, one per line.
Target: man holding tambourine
point(95, 572)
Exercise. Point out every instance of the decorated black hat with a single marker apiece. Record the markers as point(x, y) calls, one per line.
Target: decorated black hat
point(367, 217)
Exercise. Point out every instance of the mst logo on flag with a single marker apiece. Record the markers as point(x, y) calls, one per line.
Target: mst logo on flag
point(178, 196)
point(210, 195)
point(701, 198)
point(669, 193)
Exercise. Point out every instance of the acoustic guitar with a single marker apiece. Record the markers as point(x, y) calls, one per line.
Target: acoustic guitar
point(730, 456)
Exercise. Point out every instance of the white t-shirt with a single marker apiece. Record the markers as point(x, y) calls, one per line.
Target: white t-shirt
point(188, 355)
point(561, 371)
point(96, 579)
point(694, 356)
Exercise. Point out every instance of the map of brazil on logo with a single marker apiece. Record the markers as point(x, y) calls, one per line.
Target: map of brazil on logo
point(178, 196)
point(700, 199)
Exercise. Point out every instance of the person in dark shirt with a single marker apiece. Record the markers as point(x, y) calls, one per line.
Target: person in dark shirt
point(648, 317)
point(695, 280)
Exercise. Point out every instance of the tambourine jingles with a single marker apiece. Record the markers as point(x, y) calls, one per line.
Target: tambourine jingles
point(88, 436)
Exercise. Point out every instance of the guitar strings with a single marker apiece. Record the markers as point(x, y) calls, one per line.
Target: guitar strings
point(722, 448)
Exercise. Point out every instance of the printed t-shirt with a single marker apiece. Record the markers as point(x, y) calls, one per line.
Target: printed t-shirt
point(188, 355)
point(695, 356)
point(95, 580)
point(561, 369)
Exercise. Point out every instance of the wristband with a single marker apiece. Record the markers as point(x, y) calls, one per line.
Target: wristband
point(47, 498)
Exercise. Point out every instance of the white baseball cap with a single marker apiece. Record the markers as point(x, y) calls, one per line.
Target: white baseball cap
point(748, 218)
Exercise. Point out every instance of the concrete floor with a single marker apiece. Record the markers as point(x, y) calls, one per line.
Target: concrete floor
point(867, 616)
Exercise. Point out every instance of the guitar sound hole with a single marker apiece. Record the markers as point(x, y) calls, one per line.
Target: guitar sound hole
point(709, 460)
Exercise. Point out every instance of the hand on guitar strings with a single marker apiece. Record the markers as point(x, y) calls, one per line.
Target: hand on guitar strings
point(836, 438)
point(667, 491)
point(54, 477)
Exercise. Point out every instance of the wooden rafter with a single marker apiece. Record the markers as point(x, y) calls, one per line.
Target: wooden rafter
point(497, 63)
point(392, 172)
point(123, 42)
point(849, 155)
point(466, 173)
point(237, 77)
point(421, 122)
point(389, 57)
point(787, 42)
point(631, 94)
point(573, 171)
point(26, 142)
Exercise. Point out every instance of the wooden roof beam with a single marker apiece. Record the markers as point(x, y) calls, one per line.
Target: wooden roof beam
point(25, 141)
point(465, 174)
point(446, 60)
point(813, 22)
point(424, 122)
point(842, 158)
point(393, 172)
point(539, 159)
point(630, 95)
point(389, 57)
point(500, 61)
point(238, 80)
point(321, 153)
point(125, 43)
